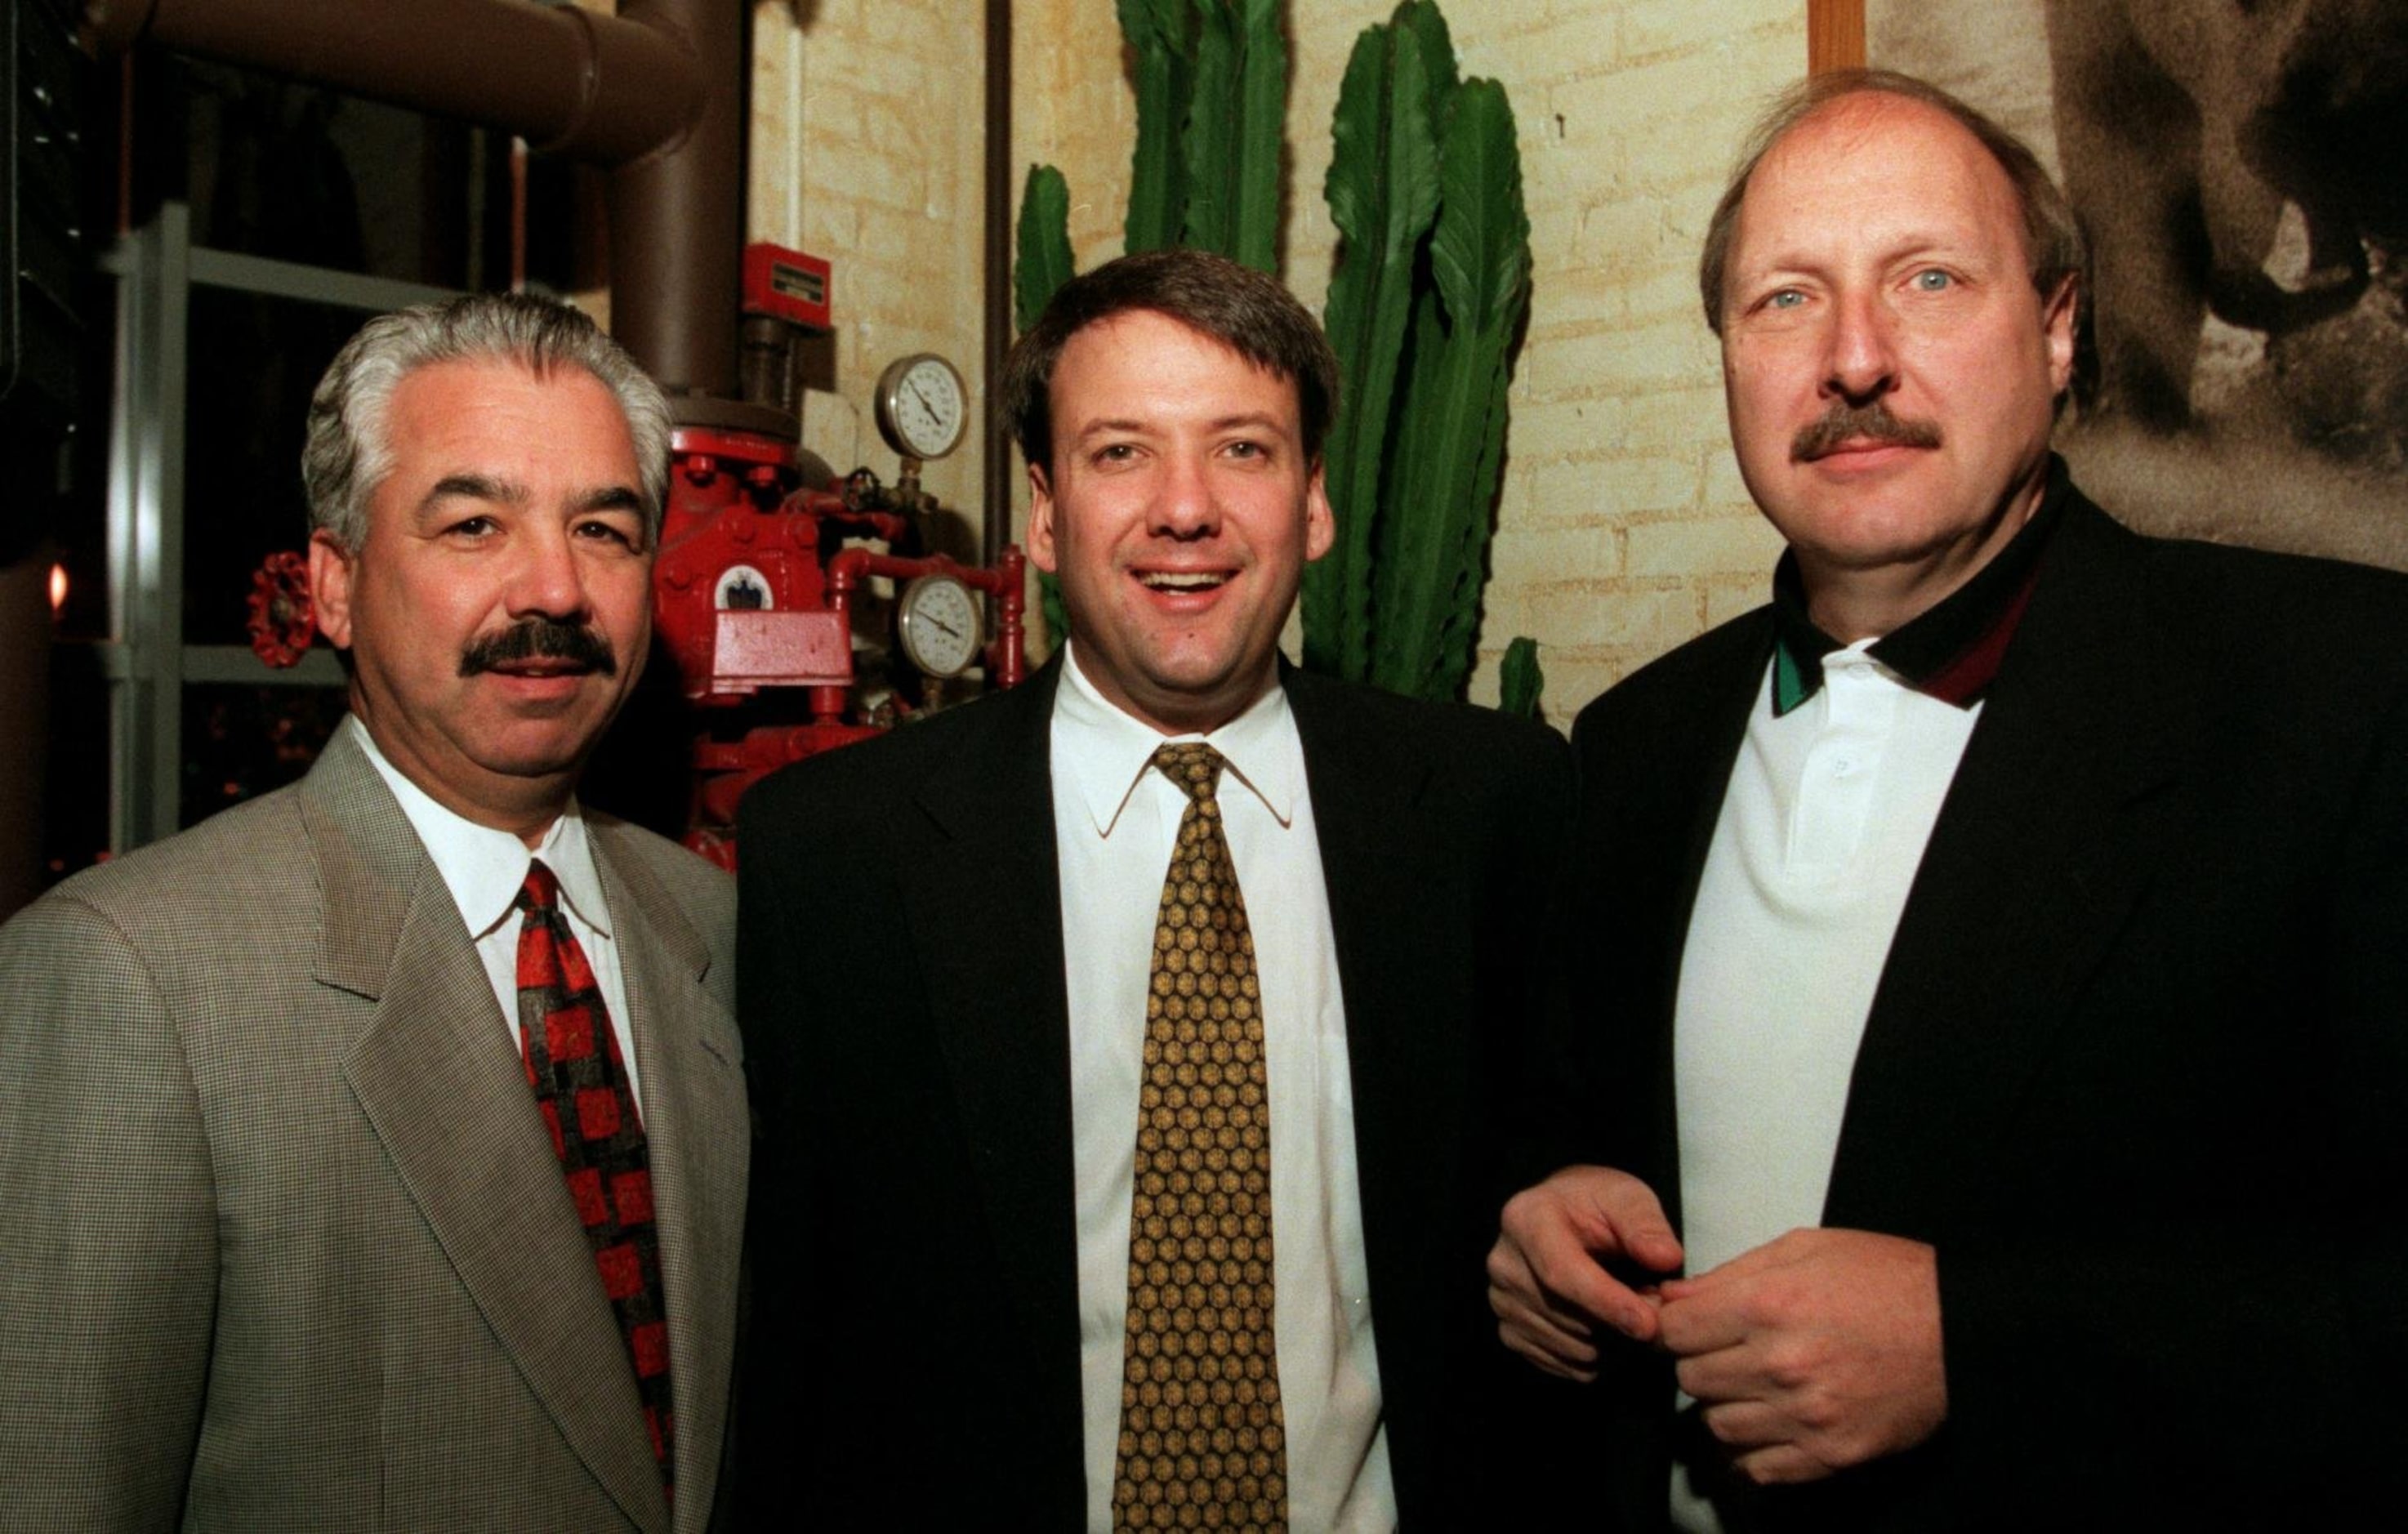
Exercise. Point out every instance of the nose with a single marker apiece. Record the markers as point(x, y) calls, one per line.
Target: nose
point(546, 577)
point(1184, 506)
point(1863, 361)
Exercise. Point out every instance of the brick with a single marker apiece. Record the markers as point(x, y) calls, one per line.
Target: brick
point(1716, 546)
point(1623, 615)
point(1727, 599)
point(1524, 556)
point(1624, 486)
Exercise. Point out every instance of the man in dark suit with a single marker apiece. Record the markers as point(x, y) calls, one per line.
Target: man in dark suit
point(374, 1152)
point(1086, 1194)
point(1996, 950)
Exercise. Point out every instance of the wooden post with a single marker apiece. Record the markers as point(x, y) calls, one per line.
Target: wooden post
point(1835, 35)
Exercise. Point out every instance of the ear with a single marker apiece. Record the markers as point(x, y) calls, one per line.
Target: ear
point(1041, 551)
point(2057, 325)
point(1320, 524)
point(330, 588)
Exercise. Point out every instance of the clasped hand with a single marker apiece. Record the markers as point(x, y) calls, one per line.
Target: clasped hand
point(1813, 1352)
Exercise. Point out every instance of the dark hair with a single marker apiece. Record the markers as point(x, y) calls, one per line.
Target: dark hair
point(2052, 237)
point(1245, 309)
point(345, 454)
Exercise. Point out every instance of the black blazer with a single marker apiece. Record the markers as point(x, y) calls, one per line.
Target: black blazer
point(914, 1352)
point(2137, 1066)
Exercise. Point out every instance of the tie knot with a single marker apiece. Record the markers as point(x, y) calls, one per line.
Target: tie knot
point(1193, 766)
point(541, 891)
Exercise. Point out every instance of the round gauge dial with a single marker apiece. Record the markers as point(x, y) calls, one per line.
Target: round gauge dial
point(939, 622)
point(921, 406)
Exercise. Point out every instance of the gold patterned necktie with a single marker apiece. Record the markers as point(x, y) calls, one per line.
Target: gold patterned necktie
point(1203, 1440)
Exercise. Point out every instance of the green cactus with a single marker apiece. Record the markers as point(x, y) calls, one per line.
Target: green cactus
point(1235, 131)
point(1441, 487)
point(1519, 681)
point(1044, 232)
point(1158, 35)
point(1383, 194)
point(1412, 469)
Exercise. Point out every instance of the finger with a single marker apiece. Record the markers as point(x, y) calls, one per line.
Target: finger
point(1568, 1276)
point(1780, 1252)
point(1692, 1321)
point(1780, 1464)
point(1726, 1374)
point(1543, 1359)
point(1746, 1425)
point(1540, 1330)
point(1511, 1282)
point(1634, 1216)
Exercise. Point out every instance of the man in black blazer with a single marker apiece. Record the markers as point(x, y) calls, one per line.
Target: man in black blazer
point(1993, 951)
point(947, 939)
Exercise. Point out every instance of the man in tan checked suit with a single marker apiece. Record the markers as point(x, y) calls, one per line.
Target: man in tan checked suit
point(288, 1244)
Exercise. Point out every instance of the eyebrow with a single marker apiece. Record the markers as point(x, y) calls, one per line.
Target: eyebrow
point(1128, 423)
point(486, 487)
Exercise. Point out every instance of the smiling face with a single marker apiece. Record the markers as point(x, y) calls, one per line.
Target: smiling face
point(498, 611)
point(1890, 370)
point(1179, 512)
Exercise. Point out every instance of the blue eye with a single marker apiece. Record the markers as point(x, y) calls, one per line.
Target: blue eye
point(1933, 280)
point(1785, 299)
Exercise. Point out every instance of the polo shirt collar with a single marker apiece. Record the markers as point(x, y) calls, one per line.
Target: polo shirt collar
point(1105, 754)
point(1951, 652)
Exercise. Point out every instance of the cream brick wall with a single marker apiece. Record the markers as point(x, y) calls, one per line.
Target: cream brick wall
point(1623, 528)
point(867, 133)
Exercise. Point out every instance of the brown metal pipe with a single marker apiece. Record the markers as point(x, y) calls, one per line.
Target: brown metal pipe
point(677, 218)
point(994, 526)
point(26, 708)
point(568, 81)
point(657, 92)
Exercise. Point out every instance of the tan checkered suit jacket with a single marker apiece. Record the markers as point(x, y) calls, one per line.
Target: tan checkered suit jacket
point(282, 1242)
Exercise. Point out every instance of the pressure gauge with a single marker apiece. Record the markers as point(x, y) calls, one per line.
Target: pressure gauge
point(922, 407)
point(939, 622)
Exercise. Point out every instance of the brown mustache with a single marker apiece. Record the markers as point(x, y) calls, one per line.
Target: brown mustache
point(1871, 422)
point(545, 637)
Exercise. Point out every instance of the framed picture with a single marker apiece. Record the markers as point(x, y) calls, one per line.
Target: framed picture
point(2240, 168)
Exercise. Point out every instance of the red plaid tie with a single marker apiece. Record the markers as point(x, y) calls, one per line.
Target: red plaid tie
point(581, 1085)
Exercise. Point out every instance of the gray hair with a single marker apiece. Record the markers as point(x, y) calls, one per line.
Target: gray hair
point(345, 454)
point(2052, 237)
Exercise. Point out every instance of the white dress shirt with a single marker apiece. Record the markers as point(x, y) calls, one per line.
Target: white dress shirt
point(484, 867)
point(1820, 835)
point(1115, 820)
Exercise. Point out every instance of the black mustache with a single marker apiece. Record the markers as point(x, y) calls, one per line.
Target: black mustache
point(547, 637)
point(1870, 422)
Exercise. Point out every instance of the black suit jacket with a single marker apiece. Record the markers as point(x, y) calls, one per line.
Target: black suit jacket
point(2136, 1067)
point(914, 1352)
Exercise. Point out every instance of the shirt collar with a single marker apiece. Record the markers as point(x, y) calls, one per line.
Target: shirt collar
point(1104, 753)
point(1951, 652)
point(484, 867)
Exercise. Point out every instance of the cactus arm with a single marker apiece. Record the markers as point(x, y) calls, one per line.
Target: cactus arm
point(1383, 192)
point(1044, 262)
point(1260, 134)
point(1435, 520)
point(1156, 36)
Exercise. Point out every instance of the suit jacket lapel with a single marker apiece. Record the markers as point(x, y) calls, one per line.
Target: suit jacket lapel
point(697, 1130)
point(1383, 863)
point(2031, 868)
point(435, 1072)
point(983, 889)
